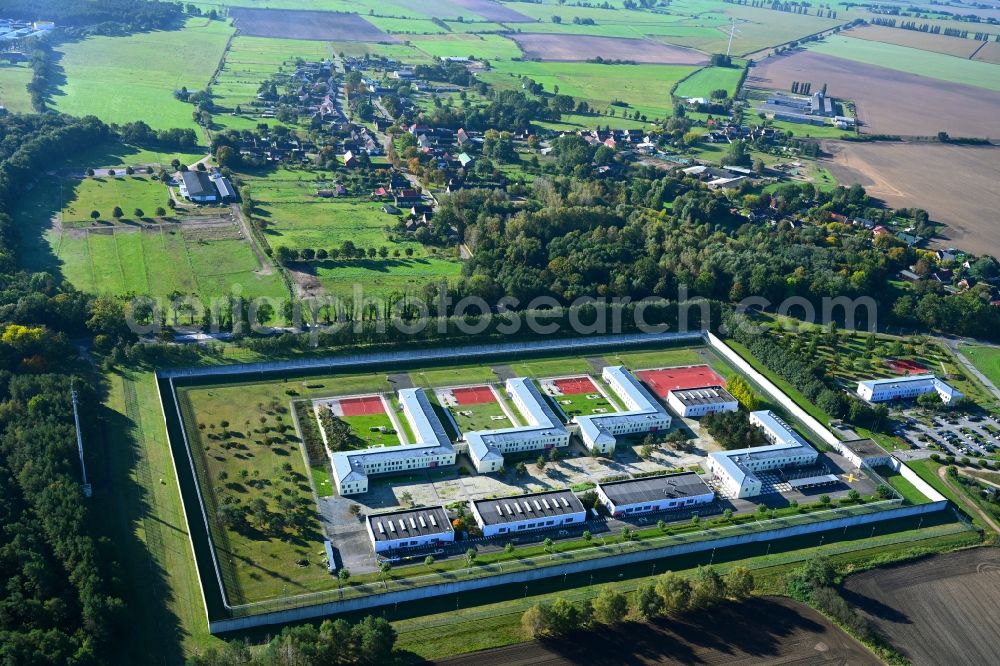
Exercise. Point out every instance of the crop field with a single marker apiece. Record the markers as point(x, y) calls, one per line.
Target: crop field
point(303, 24)
point(986, 360)
point(989, 53)
point(123, 79)
point(912, 61)
point(104, 193)
point(936, 610)
point(645, 88)
point(575, 48)
point(887, 101)
point(13, 94)
point(911, 175)
point(953, 46)
point(490, 47)
point(704, 81)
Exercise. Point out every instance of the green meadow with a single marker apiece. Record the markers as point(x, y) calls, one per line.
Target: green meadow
point(123, 79)
point(103, 194)
point(13, 94)
point(912, 61)
point(380, 277)
point(704, 81)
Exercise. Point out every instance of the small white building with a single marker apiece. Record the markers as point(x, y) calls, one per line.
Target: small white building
point(864, 452)
point(522, 513)
point(543, 431)
point(654, 493)
point(413, 528)
point(644, 413)
point(432, 448)
point(694, 402)
point(736, 470)
point(897, 388)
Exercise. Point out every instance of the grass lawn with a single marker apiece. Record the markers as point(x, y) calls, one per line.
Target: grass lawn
point(661, 358)
point(579, 404)
point(461, 376)
point(321, 479)
point(905, 488)
point(373, 429)
point(567, 365)
point(645, 88)
point(704, 81)
point(250, 459)
point(103, 194)
point(913, 61)
point(13, 93)
point(986, 360)
point(378, 277)
point(122, 79)
point(480, 417)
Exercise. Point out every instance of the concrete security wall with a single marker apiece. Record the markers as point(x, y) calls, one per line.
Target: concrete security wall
point(371, 601)
point(911, 476)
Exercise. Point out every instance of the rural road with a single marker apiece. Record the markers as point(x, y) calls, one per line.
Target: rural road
point(966, 504)
point(265, 264)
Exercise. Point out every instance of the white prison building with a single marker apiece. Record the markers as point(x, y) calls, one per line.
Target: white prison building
point(694, 402)
point(432, 447)
point(543, 431)
point(654, 493)
point(644, 414)
point(522, 513)
point(412, 528)
point(895, 388)
point(736, 470)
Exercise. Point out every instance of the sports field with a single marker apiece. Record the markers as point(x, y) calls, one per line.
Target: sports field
point(123, 79)
point(577, 395)
point(664, 380)
point(474, 408)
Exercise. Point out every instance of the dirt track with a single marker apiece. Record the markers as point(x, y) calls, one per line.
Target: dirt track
point(940, 610)
point(298, 24)
point(577, 48)
point(888, 101)
point(762, 631)
point(955, 184)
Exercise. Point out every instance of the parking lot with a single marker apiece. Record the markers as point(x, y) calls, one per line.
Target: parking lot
point(954, 434)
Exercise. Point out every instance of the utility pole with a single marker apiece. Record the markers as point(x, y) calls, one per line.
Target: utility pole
point(87, 490)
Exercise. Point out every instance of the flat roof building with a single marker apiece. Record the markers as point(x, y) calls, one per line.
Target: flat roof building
point(411, 528)
point(644, 413)
point(432, 448)
point(654, 493)
point(700, 401)
point(544, 430)
point(896, 388)
point(736, 470)
point(521, 513)
point(864, 452)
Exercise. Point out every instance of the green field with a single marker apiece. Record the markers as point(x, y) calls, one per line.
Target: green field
point(123, 79)
point(912, 61)
point(704, 81)
point(646, 88)
point(986, 360)
point(490, 47)
point(578, 404)
point(104, 193)
point(379, 277)
point(373, 429)
point(13, 94)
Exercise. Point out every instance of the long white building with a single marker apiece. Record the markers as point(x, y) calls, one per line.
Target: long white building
point(522, 513)
point(543, 431)
point(694, 402)
point(896, 388)
point(654, 493)
point(432, 448)
point(736, 470)
point(412, 528)
point(644, 413)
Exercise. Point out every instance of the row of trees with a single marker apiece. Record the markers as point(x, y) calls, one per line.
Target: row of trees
point(671, 595)
point(107, 17)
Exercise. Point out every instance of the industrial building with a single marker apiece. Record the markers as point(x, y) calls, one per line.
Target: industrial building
point(736, 470)
point(654, 493)
point(412, 528)
point(543, 431)
point(694, 402)
point(538, 511)
point(432, 448)
point(897, 388)
point(644, 414)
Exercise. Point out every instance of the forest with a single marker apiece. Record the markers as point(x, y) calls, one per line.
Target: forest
point(99, 16)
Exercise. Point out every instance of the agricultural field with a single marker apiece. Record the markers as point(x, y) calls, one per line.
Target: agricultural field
point(704, 81)
point(488, 47)
point(953, 46)
point(303, 24)
point(123, 79)
point(887, 101)
point(910, 174)
point(989, 53)
point(13, 95)
point(645, 88)
point(376, 277)
point(579, 48)
point(912, 61)
point(986, 360)
point(934, 610)
point(103, 194)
